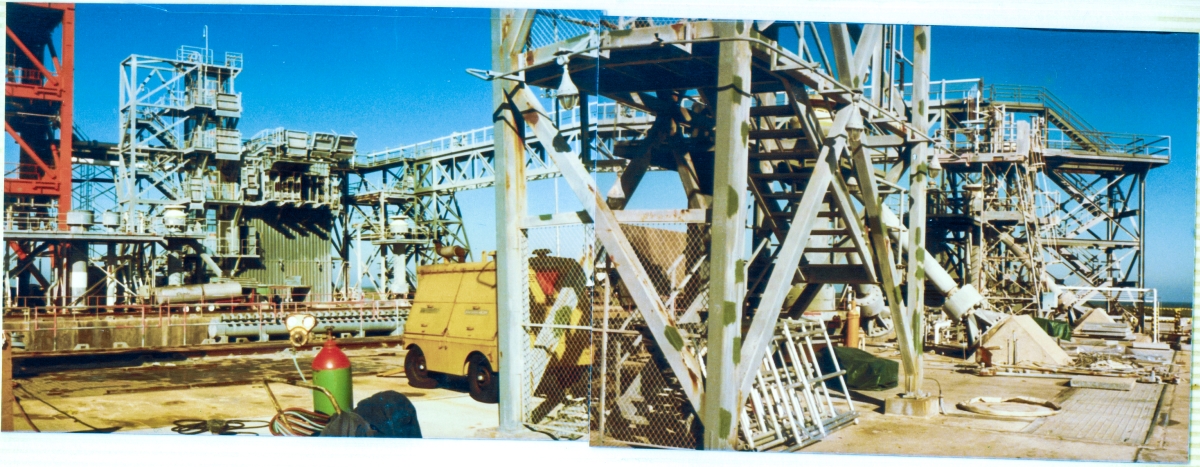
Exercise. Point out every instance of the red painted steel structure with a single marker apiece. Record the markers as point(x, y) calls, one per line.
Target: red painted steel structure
point(39, 102)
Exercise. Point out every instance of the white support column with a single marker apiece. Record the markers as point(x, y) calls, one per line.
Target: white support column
point(918, 177)
point(79, 272)
point(726, 291)
point(110, 286)
point(509, 30)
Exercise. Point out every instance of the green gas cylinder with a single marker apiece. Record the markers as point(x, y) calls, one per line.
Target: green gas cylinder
point(331, 370)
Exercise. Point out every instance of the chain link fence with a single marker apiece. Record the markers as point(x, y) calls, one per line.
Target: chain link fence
point(636, 399)
point(558, 336)
point(551, 26)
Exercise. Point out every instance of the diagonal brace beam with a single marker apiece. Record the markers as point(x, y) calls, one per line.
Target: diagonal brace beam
point(683, 360)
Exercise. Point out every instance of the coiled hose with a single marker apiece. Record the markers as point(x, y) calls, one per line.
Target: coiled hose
point(298, 422)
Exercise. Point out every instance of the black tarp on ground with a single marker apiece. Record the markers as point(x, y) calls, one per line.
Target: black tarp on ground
point(863, 371)
point(1054, 328)
point(391, 414)
point(348, 424)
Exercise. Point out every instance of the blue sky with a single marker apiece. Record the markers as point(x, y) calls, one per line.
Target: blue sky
point(395, 76)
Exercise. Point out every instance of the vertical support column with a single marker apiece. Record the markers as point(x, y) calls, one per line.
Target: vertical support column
point(1141, 230)
point(344, 246)
point(110, 285)
point(174, 269)
point(585, 133)
point(720, 403)
point(77, 260)
point(918, 183)
point(509, 29)
point(66, 113)
point(6, 388)
point(399, 270)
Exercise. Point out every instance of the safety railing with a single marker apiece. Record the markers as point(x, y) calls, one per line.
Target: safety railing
point(202, 98)
point(242, 247)
point(949, 90)
point(202, 140)
point(233, 60)
point(94, 324)
point(226, 191)
point(1115, 143)
point(601, 114)
point(194, 54)
point(24, 222)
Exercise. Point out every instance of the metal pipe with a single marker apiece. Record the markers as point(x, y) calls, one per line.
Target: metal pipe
point(196, 293)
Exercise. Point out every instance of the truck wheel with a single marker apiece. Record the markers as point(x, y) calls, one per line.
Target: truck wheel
point(481, 381)
point(415, 370)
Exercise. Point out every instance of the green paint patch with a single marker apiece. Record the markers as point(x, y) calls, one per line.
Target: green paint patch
point(920, 273)
point(857, 80)
point(545, 217)
point(740, 26)
point(737, 350)
point(726, 423)
point(733, 202)
point(563, 315)
point(737, 84)
point(921, 41)
point(921, 107)
point(561, 144)
point(739, 271)
point(674, 338)
point(745, 133)
point(730, 313)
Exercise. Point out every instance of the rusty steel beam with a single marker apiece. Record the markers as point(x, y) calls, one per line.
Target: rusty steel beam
point(510, 28)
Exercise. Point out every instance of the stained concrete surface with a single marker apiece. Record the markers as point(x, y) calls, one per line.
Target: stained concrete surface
point(963, 434)
point(148, 399)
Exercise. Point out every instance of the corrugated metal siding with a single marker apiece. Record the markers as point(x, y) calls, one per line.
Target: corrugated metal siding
point(292, 242)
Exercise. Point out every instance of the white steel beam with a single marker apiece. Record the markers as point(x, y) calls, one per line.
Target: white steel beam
point(726, 287)
point(509, 30)
point(918, 180)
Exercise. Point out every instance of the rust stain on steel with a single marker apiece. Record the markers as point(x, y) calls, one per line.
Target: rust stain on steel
point(505, 28)
point(680, 29)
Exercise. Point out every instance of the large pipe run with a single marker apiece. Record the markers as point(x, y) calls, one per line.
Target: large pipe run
point(196, 293)
point(960, 301)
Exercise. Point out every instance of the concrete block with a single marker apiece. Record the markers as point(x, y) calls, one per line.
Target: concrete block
point(911, 406)
point(1102, 382)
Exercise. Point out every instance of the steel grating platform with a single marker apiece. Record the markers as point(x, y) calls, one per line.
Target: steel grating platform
point(1105, 416)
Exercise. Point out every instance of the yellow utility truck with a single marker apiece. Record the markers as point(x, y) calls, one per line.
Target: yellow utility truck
point(452, 326)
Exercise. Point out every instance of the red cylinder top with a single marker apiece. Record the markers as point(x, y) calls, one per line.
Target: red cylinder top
point(330, 358)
